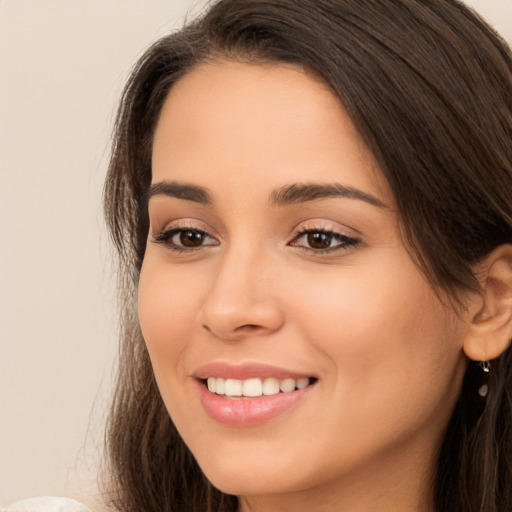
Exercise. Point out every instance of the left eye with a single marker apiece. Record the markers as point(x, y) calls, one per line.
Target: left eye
point(189, 238)
point(182, 239)
point(321, 240)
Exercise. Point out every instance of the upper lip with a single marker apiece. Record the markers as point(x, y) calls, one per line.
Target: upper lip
point(243, 371)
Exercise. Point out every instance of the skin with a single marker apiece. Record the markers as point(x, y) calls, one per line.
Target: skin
point(361, 317)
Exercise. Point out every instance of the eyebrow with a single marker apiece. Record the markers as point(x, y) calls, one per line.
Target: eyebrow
point(303, 192)
point(287, 195)
point(178, 190)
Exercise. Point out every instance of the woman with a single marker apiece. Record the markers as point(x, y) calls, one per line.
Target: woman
point(311, 205)
point(312, 200)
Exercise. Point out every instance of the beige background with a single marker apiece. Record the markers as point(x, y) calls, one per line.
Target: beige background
point(62, 65)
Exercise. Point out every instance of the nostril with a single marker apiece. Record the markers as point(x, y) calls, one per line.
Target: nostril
point(237, 331)
point(248, 327)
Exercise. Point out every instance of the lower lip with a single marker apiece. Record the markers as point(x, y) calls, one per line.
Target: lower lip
point(246, 412)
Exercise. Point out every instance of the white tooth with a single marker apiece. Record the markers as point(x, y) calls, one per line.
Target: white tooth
point(302, 383)
point(252, 387)
point(211, 384)
point(270, 386)
point(220, 385)
point(233, 387)
point(287, 385)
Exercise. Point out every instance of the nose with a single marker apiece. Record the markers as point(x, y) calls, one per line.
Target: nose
point(243, 299)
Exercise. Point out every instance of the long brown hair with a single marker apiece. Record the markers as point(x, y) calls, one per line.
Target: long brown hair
point(428, 84)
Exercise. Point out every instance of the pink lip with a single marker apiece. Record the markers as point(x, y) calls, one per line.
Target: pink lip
point(247, 412)
point(245, 371)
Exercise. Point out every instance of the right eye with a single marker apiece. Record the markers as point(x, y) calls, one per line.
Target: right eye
point(185, 239)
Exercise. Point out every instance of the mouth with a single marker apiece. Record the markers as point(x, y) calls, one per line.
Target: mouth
point(253, 401)
point(255, 387)
point(249, 394)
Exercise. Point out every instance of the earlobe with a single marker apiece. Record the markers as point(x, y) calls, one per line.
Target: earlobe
point(490, 329)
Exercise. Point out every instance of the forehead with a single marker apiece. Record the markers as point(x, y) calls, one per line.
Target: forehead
point(246, 119)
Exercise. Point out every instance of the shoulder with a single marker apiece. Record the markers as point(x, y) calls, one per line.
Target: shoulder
point(46, 504)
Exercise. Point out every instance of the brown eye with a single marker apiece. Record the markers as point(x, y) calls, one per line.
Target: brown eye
point(191, 238)
point(181, 240)
point(319, 240)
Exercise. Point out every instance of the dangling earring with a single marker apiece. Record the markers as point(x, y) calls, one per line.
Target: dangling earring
point(486, 368)
point(485, 365)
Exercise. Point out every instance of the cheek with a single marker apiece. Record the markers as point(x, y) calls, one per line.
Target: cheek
point(383, 329)
point(168, 306)
point(394, 361)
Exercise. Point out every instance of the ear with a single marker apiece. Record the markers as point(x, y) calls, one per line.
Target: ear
point(490, 328)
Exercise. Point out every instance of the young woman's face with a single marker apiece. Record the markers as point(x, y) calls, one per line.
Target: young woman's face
point(274, 260)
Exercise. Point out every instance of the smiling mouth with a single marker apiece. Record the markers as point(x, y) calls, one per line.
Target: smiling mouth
point(255, 387)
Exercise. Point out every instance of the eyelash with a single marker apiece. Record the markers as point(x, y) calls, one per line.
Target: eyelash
point(165, 237)
point(345, 242)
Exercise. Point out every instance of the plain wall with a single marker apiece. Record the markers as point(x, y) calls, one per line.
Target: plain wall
point(62, 66)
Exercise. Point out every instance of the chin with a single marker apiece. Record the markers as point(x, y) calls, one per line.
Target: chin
point(252, 477)
point(241, 483)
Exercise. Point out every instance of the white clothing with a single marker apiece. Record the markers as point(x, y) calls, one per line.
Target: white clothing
point(46, 504)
